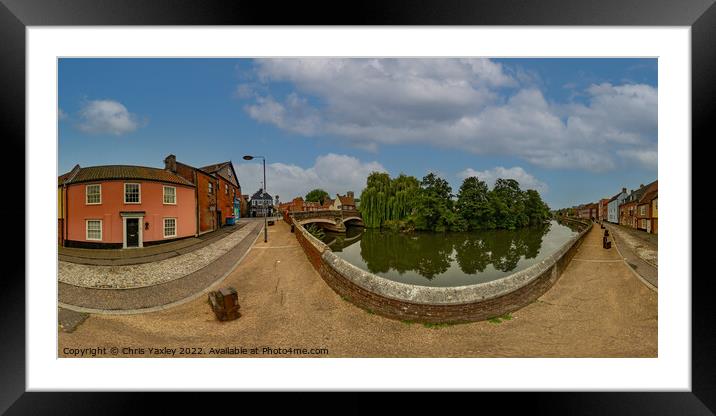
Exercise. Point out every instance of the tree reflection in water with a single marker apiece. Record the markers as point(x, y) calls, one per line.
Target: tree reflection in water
point(432, 254)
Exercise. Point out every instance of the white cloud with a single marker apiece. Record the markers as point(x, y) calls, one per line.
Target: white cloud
point(473, 105)
point(294, 114)
point(331, 172)
point(647, 158)
point(517, 173)
point(106, 117)
point(61, 115)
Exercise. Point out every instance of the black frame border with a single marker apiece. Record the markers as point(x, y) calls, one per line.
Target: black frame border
point(15, 15)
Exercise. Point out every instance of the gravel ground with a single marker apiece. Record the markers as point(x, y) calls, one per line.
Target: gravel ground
point(598, 308)
point(148, 274)
point(645, 250)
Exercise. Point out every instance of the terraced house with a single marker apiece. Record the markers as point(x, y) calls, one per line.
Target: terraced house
point(120, 206)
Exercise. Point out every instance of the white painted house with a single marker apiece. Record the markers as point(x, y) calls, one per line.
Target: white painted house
point(613, 206)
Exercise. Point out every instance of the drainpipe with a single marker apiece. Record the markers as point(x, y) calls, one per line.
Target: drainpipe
point(65, 217)
point(196, 202)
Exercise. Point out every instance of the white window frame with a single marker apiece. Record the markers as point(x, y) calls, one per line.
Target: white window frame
point(87, 194)
point(226, 189)
point(164, 195)
point(139, 191)
point(164, 227)
point(87, 237)
point(211, 187)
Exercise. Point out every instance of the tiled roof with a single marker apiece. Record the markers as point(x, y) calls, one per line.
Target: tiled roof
point(648, 197)
point(346, 200)
point(258, 195)
point(62, 178)
point(98, 173)
point(215, 167)
point(616, 196)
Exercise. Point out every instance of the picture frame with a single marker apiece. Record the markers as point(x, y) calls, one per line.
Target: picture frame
point(16, 15)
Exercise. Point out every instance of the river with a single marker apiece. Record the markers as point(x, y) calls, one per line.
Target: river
point(448, 259)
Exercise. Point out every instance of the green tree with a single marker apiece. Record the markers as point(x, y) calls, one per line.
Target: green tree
point(536, 210)
point(385, 199)
point(433, 210)
point(473, 204)
point(508, 201)
point(317, 195)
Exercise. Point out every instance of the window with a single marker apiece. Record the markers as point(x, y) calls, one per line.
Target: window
point(132, 193)
point(170, 227)
point(211, 187)
point(226, 189)
point(170, 195)
point(93, 194)
point(94, 230)
point(642, 210)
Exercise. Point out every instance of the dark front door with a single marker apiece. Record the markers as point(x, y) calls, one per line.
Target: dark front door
point(132, 232)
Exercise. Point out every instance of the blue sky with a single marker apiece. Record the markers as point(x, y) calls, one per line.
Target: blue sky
point(575, 129)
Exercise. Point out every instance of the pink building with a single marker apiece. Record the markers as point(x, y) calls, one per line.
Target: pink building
point(119, 206)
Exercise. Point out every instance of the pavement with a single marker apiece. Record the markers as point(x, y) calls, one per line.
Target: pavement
point(598, 308)
point(123, 257)
point(142, 299)
point(638, 250)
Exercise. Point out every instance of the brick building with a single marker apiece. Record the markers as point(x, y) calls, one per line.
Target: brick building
point(218, 191)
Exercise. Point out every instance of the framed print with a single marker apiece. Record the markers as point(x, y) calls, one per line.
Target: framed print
point(430, 197)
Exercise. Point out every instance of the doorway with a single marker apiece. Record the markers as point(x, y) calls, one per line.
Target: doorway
point(132, 236)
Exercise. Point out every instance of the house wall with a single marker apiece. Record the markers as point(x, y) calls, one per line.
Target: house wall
point(225, 202)
point(613, 208)
point(152, 202)
point(206, 201)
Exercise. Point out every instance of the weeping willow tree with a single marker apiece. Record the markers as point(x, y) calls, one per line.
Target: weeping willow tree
point(385, 199)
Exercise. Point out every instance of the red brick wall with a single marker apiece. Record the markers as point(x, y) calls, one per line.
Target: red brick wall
point(402, 310)
point(207, 217)
point(225, 202)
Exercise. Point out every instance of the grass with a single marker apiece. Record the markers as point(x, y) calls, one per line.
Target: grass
point(500, 319)
point(439, 325)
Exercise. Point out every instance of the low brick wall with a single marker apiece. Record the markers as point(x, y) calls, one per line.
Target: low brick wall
point(436, 304)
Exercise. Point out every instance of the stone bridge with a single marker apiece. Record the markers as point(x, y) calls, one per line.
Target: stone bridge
point(331, 220)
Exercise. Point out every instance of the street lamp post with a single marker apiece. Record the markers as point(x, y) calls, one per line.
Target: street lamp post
point(248, 157)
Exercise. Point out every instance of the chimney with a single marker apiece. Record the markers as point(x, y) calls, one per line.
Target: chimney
point(624, 190)
point(170, 163)
point(349, 194)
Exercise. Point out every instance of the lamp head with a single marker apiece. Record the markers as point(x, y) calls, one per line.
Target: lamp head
point(247, 157)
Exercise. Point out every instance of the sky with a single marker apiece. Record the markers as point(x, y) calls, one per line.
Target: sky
point(577, 130)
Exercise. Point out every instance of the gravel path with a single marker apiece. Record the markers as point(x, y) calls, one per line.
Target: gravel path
point(640, 246)
point(148, 274)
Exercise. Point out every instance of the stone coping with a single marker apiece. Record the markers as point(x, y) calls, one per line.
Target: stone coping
point(428, 295)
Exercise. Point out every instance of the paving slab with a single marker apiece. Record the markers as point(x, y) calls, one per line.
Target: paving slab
point(69, 320)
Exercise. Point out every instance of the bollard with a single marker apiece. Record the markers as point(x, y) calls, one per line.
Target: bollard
point(606, 243)
point(225, 304)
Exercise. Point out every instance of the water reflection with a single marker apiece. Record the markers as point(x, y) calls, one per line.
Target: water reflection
point(448, 259)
